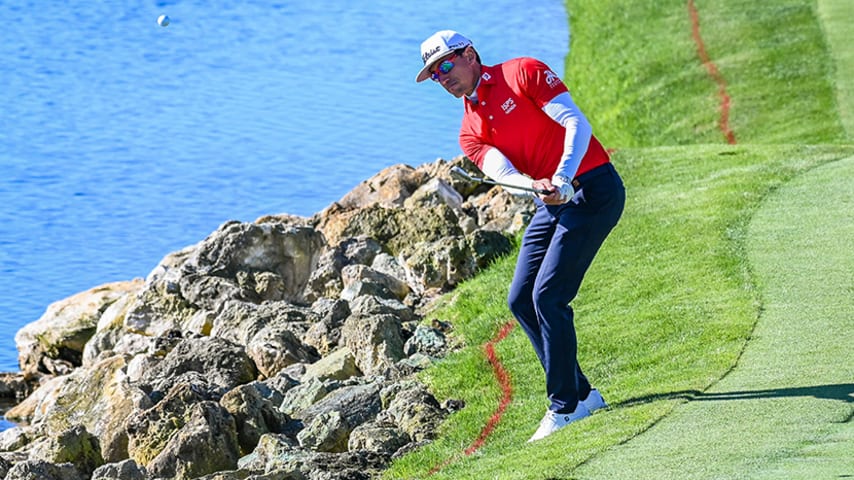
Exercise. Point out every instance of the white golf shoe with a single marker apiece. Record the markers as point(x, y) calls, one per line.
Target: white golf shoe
point(594, 401)
point(553, 421)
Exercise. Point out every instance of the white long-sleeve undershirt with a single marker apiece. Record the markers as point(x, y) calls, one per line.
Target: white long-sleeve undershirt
point(578, 131)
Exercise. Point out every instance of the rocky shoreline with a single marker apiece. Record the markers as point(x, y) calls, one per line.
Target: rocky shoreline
point(283, 348)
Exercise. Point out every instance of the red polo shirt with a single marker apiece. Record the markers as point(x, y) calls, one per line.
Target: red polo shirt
point(508, 115)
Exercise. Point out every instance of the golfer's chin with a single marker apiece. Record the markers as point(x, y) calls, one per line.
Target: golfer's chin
point(455, 89)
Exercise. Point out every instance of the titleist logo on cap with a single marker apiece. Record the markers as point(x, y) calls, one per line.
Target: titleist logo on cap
point(429, 54)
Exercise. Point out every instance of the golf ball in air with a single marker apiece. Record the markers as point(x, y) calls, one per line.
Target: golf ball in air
point(163, 20)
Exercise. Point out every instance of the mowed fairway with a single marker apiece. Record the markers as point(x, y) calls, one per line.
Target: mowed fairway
point(785, 410)
point(718, 318)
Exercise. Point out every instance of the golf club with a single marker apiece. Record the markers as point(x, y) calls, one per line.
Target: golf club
point(460, 173)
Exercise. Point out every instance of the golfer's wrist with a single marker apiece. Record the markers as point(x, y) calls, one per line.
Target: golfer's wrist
point(563, 185)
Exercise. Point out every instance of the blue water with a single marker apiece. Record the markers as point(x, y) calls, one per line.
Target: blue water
point(122, 141)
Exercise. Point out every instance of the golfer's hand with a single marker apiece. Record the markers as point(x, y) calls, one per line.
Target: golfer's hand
point(554, 198)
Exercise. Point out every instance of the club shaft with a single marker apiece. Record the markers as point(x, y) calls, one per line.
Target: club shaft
point(459, 172)
point(505, 185)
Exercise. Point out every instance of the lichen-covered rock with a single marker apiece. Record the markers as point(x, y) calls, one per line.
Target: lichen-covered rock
point(111, 335)
point(375, 341)
point(244, 255)
point(438, 265)
point(368, 305)
point(412, 408)
point(38, 401)
point(426, 340)
point(383, 438)
point(396, 227)
point(389, 187)
point(327, 432)
point(279, 453)
point(275, 452)
point(99, 398)
point(338, 365)
point(255, 408)
point(184, 436)
point(75, 446)
point(434, 192)
point(54, 343)
point(303, 396)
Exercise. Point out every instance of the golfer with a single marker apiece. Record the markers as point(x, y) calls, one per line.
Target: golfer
point(521, 127)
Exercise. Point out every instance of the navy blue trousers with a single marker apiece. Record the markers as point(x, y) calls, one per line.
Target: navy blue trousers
point(557, 248)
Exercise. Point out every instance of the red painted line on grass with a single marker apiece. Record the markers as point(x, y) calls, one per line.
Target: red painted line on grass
point(506, 395)
point(713, 71)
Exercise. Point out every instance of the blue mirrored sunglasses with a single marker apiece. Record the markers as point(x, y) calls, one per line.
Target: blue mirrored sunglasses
point(443, 68)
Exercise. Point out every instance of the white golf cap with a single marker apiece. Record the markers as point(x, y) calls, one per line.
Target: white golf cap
point(437, 46)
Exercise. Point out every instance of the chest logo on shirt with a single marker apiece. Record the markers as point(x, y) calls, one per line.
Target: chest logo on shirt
point(552, 79)
point(508, 105)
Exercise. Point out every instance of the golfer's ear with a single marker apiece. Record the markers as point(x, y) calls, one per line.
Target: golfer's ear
point(469, 53)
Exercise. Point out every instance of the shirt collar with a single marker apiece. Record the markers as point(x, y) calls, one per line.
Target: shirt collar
point(487, 77)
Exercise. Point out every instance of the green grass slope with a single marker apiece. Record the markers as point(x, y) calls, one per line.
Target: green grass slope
point(667, 309)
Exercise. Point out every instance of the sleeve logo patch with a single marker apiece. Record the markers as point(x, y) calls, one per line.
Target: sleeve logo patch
point(552, 80)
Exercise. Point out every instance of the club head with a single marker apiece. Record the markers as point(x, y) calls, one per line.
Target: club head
point(461, 174)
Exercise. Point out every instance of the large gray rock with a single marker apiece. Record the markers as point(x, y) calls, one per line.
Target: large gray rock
point(279, 453)
point(222, 363)
point(426, 340)
point(41, 470)
point(275, 348)
point(240, 321)
point(251, 262)
point(389, 188)
point(15, 438)
point(239, 261)
point(363, 273)
point(393, 227)
point(325, 280)
point(124, 470)
point(357, 404)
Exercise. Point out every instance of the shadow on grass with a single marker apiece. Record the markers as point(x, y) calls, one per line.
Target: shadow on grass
point(842, 391)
